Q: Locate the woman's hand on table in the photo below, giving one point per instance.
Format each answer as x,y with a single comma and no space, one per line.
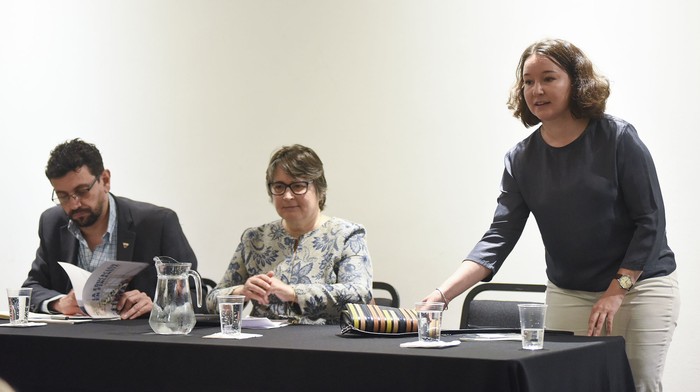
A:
282,290
256,288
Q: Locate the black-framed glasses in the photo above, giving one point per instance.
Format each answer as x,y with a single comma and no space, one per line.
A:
298,187
79,193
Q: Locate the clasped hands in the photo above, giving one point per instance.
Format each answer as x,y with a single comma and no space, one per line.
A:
132,304
260,287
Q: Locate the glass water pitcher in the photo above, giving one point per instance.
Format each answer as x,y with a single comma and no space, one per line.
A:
173,313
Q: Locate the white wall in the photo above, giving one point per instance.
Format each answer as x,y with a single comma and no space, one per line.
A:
403,100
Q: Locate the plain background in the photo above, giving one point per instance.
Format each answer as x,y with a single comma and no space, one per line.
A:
403,100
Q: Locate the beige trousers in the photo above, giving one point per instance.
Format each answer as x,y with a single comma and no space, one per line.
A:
646,319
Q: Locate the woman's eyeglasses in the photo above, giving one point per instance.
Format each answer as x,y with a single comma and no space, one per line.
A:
298,188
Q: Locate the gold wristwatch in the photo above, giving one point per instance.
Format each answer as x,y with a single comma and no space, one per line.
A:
625,281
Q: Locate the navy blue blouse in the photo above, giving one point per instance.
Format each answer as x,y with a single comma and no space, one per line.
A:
597,203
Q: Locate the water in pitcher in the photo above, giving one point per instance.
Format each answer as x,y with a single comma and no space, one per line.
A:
173,312
173,320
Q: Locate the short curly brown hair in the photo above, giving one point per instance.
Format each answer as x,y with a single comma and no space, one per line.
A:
299,162
589,91
71,156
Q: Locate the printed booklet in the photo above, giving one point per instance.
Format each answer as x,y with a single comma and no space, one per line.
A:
98,292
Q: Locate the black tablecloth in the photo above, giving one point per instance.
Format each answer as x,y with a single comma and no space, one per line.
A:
127,356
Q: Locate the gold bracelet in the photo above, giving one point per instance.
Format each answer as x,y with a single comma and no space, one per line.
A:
443,297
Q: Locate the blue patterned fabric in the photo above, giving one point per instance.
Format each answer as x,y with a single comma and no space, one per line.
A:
329,267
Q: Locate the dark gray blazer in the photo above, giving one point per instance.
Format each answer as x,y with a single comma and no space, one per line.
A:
143,232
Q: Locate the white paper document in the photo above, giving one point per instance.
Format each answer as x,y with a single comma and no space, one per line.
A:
238,336
487,337
52,318
98,292
261,323
25,325
431,344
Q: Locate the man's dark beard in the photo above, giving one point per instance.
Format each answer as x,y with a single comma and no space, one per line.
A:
86,221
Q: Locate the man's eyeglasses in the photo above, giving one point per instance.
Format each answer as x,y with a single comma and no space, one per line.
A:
297,188
79,193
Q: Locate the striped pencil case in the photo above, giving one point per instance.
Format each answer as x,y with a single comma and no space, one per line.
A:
378,320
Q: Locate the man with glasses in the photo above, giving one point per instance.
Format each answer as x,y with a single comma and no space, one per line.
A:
90,225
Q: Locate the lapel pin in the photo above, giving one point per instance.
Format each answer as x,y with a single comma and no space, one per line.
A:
125,245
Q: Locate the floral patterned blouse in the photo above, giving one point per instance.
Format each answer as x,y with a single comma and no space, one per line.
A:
327,267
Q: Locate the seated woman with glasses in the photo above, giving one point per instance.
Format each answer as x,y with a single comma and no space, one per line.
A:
306,266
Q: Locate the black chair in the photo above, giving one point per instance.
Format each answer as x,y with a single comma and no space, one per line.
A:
495,313
393,299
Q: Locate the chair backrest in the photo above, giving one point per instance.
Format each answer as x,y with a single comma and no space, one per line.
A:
495,313
393,295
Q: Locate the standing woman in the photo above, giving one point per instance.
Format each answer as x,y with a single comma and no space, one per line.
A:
306,266
592,186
